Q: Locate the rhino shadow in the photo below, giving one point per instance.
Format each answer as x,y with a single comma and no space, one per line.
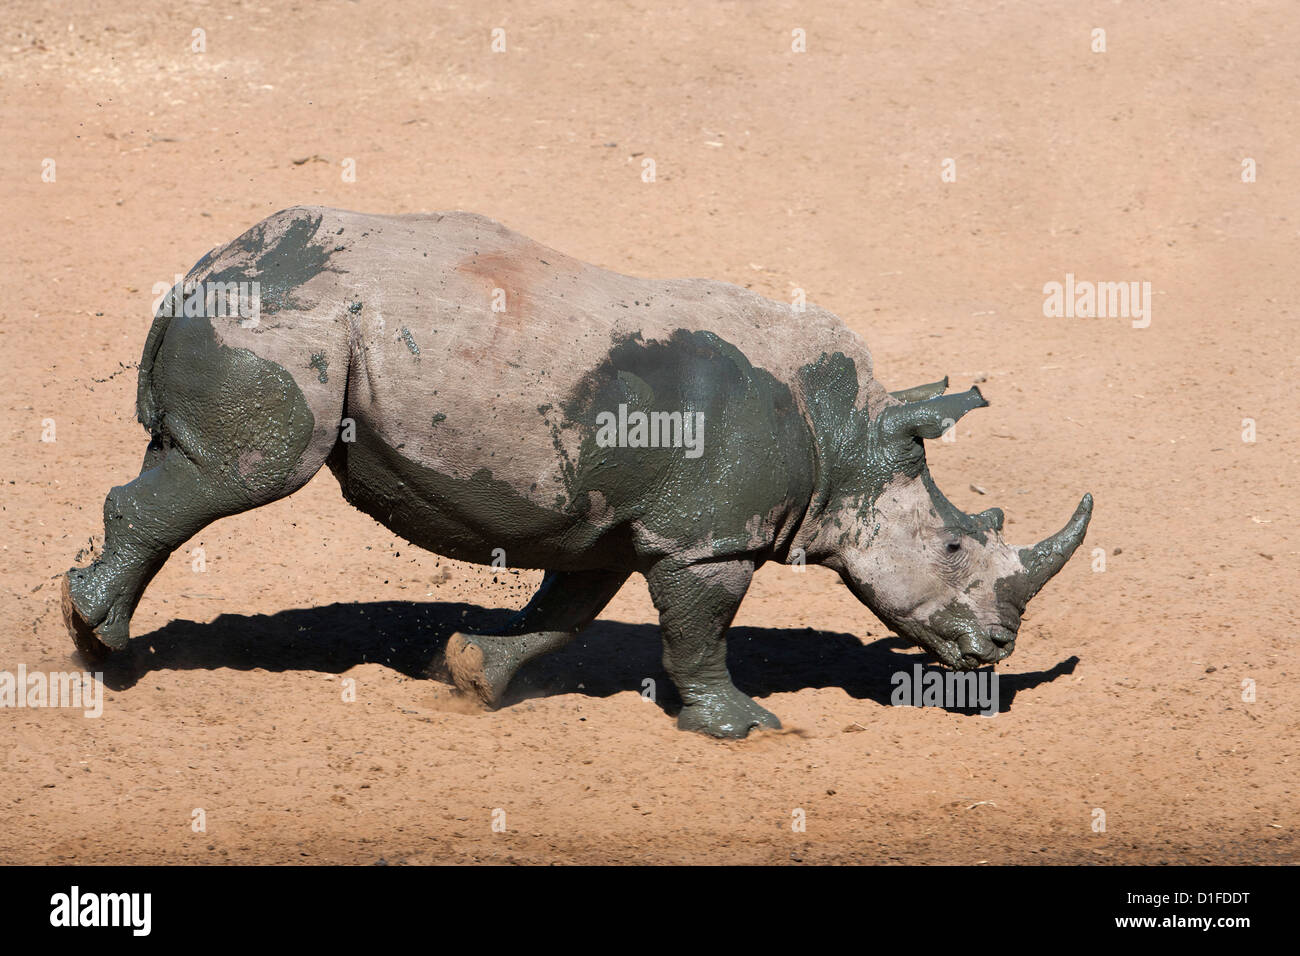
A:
608,658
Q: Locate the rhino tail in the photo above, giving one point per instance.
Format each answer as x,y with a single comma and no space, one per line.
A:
147,409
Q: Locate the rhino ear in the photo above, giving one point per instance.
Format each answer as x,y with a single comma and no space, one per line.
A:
990,519
901,424
919,393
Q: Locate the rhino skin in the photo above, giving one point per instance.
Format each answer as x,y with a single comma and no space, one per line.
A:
466,386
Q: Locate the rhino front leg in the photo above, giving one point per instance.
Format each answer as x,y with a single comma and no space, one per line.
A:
696,605
484,664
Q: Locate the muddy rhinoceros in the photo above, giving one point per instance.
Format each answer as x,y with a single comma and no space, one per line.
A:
485,396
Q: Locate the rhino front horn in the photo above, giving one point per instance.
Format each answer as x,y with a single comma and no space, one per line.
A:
1048,556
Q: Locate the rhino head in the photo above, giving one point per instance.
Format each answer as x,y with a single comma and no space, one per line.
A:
940,577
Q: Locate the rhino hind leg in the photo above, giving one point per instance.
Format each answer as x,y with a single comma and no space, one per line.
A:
142,526
696,605
233,433
482,665
145,520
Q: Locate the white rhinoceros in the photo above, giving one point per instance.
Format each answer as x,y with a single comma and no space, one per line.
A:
479,393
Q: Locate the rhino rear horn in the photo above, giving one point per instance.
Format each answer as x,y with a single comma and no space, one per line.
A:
919,393
929,418
1048,556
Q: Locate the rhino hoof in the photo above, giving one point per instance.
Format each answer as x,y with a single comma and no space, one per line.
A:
80,629
726,714
470,672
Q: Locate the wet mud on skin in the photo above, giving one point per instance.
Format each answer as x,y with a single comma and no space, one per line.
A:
241,418
281,268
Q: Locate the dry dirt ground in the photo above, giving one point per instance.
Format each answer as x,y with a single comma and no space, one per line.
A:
775,169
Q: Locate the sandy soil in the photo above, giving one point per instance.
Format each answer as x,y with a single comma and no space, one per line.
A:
775,170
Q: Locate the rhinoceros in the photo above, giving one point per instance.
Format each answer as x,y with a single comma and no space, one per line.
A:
493,400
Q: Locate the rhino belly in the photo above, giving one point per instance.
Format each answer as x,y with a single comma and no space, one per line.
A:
476,517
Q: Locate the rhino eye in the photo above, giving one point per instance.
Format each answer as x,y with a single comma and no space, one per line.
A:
952,547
